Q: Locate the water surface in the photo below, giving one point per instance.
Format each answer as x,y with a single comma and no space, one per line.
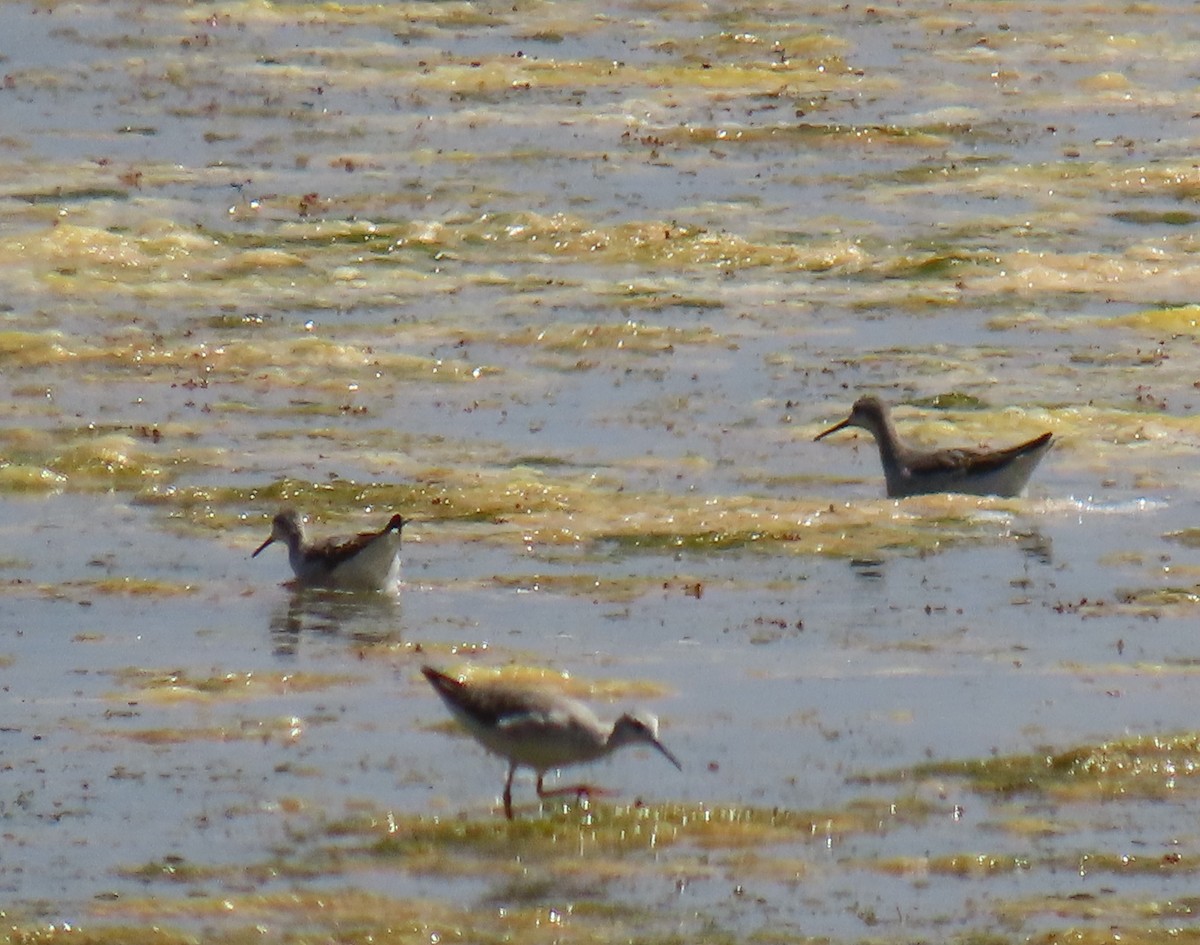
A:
575,289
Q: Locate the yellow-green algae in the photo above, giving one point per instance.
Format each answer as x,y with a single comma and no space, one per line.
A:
1108,908
976,865
328,273
983,865
617,830
1130,930
18,478
534,860
168,686
95,459
612,590
1188,537
404,650
175,869
542,507
1175,320
1141,766
630,336
295,361
285,729
358,917
1160,601
1145,603
122,587
418,922
532,675
238,270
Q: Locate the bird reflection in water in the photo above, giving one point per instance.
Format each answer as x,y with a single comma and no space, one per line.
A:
321,613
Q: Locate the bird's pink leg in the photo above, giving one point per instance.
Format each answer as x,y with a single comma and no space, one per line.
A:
512,769
579,790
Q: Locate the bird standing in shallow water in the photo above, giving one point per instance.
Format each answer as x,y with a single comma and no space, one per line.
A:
369,561
540,729
910,471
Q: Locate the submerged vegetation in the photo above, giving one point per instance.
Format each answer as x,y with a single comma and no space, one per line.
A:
1139,767
572,288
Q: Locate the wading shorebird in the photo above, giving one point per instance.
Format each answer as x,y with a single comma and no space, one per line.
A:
540,729
910,471
366,562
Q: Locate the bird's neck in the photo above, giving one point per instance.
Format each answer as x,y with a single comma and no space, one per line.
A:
891,447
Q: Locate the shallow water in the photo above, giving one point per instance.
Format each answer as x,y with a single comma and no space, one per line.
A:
575,291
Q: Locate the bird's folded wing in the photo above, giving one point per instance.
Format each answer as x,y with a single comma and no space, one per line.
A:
527,719
337,550
977,461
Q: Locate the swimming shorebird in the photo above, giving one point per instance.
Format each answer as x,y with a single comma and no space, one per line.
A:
368,561
911,471
540,729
